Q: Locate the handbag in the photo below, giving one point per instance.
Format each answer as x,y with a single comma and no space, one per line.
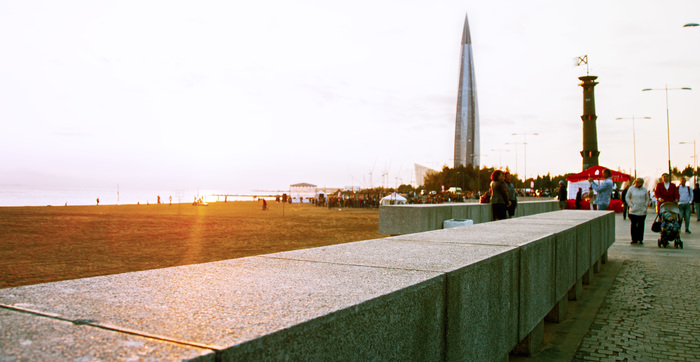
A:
656,225
486,197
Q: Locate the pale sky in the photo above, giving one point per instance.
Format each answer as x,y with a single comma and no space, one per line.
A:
242,95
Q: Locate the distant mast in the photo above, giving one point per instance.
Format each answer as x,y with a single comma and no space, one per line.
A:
590,151
466,151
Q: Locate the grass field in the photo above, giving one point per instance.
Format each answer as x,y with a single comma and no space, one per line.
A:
45,244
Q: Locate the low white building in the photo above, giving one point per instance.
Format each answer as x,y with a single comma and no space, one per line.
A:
302,192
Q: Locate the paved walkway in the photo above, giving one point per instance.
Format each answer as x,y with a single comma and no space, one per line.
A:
644,305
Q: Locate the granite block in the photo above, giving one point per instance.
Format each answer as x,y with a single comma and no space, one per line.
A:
566,215
610,236
597,234
537,283
482,286
403,219
565,261
536,243
482,309
583,249
481,234
415,218
258,307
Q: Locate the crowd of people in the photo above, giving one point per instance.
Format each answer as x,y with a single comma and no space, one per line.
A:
503,197
637,200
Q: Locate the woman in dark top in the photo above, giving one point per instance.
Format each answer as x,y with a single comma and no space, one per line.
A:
499,196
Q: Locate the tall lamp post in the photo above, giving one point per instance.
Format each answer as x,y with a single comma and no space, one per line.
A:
524,134
500,152
695,160
478,181
668,129
634,141
515,145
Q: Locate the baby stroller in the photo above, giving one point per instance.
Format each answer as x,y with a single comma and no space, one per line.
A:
666,224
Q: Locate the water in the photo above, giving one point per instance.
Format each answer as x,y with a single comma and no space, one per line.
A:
58,196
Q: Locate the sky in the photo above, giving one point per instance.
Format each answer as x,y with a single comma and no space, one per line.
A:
258,95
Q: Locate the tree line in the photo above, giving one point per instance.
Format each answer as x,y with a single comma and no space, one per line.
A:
470,178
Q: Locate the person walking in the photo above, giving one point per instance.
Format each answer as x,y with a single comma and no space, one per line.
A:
625,207
637,198
604,190
512,196
685,198
696,201
665,191
561,196
579,197
499,196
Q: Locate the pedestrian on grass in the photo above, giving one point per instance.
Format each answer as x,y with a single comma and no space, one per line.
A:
685,198
562,195
264,205
637,197
499,196
604,190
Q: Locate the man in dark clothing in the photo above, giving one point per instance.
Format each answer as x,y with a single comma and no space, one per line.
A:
579,197
696,201
624,202
562,195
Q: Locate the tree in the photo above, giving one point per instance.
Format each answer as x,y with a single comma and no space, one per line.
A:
404,189
688,171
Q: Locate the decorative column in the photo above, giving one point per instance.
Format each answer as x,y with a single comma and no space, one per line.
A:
590,151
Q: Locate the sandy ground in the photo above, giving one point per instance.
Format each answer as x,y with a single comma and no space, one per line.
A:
45,244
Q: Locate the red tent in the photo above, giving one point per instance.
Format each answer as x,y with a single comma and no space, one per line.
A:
597,173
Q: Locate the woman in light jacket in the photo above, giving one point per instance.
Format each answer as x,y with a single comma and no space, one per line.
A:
638,201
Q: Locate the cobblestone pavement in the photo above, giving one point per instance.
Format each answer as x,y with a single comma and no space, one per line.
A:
652,310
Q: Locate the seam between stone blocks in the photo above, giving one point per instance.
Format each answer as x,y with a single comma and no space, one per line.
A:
96,324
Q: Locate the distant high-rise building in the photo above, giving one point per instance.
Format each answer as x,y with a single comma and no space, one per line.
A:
421,171
467,123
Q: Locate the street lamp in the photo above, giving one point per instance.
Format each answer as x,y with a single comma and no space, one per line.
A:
500,151
695,160
668,129
634,141
515,145
478,181
524,134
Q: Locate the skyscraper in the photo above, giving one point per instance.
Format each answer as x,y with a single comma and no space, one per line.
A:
467,123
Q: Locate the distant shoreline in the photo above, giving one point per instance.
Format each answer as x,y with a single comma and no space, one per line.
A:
18,195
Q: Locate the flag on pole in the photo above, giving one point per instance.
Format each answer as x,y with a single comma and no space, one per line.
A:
581,60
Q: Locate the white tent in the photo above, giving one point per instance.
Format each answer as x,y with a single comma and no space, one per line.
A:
393,199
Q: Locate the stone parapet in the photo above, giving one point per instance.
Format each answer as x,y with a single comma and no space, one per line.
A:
466,293
417,218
